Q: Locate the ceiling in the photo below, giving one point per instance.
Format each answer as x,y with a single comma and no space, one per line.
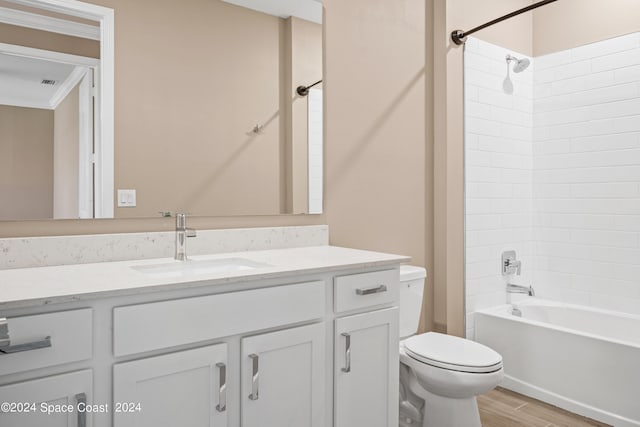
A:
310,10
21,81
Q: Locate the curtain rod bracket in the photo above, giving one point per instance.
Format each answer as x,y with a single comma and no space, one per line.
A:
304,90
458,37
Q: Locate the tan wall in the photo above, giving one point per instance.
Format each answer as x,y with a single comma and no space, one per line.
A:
571,23
26,138
66,141
450,15
376,139
22,36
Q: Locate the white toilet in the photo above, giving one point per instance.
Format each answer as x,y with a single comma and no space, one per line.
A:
440,375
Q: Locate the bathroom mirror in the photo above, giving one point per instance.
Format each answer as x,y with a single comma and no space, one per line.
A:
207,117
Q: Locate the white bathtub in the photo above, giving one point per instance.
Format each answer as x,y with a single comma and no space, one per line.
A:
579,358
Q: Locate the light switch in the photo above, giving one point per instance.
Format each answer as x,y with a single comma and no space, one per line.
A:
126,198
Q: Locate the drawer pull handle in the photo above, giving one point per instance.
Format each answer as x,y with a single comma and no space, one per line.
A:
5,341
82,415
347,353
222,399
369,291
254,377
17,348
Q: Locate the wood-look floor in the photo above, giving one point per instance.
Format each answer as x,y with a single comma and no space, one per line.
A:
505,408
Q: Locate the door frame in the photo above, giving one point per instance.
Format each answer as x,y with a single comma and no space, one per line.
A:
104,84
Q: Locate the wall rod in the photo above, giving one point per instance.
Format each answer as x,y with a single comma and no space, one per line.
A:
459,36
304,90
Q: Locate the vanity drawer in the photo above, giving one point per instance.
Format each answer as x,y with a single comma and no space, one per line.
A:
69,340
154,326
365,289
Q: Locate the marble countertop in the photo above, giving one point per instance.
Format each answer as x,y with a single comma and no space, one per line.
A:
26,287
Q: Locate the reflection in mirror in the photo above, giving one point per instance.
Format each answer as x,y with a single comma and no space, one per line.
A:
46,134
56,110
208,118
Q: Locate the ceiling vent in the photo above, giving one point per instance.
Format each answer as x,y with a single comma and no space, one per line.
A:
48,82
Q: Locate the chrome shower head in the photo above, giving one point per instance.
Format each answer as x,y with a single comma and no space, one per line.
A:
521,64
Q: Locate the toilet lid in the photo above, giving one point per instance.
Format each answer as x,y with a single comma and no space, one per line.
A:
453,353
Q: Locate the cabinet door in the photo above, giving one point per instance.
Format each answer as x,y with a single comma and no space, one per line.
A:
283,379
186,388
50,394
366,370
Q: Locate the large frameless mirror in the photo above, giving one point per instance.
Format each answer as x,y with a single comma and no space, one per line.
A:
208,118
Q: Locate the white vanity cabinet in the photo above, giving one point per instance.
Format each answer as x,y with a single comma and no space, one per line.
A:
366,369
282,384
310,347
49,401
41,341
185,388
277,379
283,379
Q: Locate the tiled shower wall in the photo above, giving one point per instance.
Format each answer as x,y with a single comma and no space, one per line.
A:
498,172
553,171
587,174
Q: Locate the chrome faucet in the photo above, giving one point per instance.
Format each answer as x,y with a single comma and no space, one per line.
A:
519,289
182,232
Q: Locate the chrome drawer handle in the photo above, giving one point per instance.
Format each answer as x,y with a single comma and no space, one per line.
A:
17,348
254,377
222,399
5,341
369,291
347,352
82,415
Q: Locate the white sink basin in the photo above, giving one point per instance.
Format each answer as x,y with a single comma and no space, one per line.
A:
194,268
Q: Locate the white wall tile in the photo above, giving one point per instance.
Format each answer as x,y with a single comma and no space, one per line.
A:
606,142
560,181
498,171
552,60
616,60
605,47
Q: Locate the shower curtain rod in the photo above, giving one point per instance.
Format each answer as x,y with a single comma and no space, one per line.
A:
304,90
459,36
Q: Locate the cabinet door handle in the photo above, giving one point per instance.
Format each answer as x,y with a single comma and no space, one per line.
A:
369,291
347,352
222,396
82,415
254,377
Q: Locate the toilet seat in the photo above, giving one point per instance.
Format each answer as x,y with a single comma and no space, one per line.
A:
452,353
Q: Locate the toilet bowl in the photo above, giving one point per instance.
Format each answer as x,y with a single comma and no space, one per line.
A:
440,375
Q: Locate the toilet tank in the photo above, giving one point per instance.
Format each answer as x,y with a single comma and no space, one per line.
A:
411,291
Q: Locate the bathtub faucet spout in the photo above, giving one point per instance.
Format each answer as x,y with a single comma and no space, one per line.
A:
519,289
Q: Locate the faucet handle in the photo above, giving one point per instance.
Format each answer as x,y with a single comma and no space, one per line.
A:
510,264
190,232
